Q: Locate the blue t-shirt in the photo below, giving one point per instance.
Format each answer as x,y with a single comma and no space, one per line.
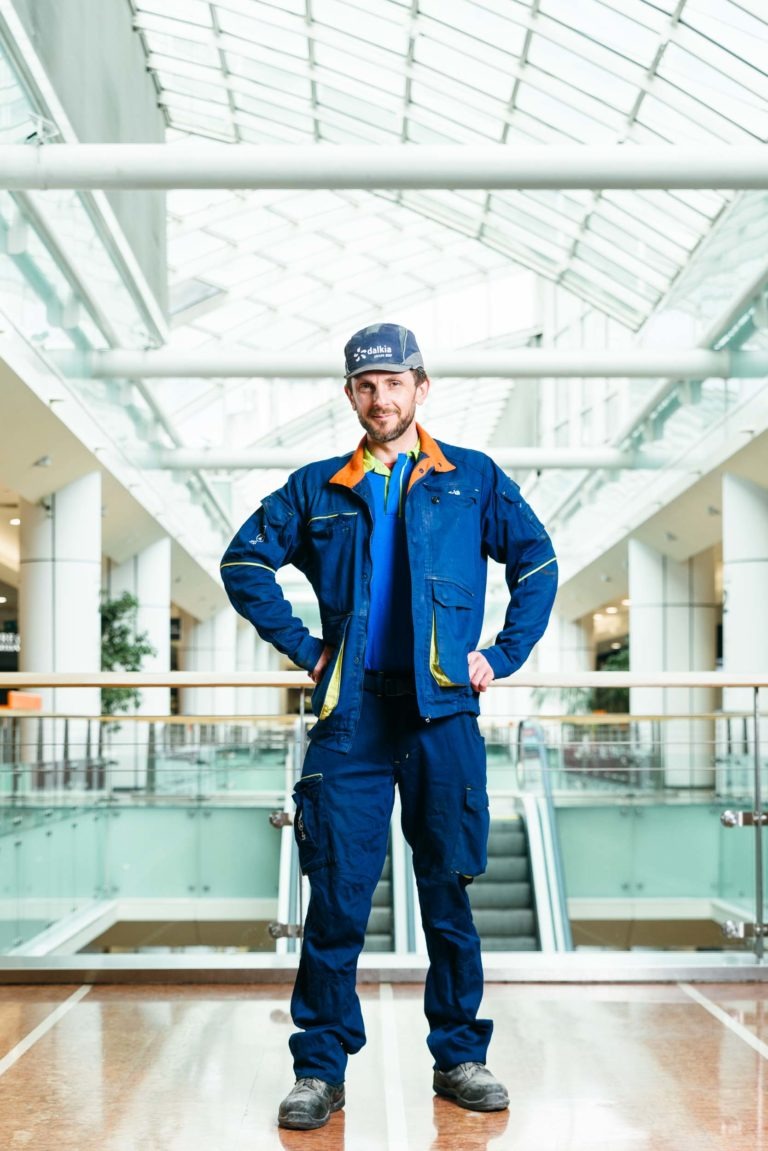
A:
389,645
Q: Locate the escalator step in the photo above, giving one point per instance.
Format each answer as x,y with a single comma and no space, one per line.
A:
499,895
509,943
380,921
515,921
379,943
503,869
382,896
507,843
511,823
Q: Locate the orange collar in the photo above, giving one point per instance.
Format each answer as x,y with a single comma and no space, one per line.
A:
431,457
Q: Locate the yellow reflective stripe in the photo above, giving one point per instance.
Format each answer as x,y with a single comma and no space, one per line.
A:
245,564
334,686
538,569
434,660
331,516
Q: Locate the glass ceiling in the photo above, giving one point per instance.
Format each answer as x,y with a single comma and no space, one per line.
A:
442,71
300,270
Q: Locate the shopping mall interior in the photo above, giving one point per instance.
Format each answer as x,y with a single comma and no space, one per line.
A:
200,202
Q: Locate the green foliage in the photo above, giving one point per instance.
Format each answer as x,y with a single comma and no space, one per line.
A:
613,699
122,649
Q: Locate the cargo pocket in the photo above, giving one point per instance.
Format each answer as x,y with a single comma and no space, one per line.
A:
471,855
310,826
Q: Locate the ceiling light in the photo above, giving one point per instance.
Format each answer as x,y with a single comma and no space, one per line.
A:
597,615
611,610
616,647
3,599
626,602
14,522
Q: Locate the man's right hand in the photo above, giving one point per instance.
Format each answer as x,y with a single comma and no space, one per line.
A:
321,664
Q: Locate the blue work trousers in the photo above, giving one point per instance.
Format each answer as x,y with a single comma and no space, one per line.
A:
343,809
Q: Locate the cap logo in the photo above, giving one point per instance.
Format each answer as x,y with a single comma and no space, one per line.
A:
379,350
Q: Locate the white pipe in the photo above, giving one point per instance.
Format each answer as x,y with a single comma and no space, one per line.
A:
219,459
491,166
517,363
23,680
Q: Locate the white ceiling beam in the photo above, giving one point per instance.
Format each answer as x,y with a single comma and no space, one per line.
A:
222,459
494,166
514,363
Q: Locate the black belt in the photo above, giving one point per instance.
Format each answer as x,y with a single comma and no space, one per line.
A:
389,683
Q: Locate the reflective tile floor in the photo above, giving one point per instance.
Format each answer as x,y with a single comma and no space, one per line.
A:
193,1068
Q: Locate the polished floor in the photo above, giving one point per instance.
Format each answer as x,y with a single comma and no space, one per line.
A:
193,1068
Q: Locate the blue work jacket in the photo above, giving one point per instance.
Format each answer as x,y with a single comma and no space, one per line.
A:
460,509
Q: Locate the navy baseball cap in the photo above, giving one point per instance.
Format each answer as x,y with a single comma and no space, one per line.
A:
381,348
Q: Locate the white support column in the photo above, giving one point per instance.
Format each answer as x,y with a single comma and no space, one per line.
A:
269,700
246,637
147,577
566,646
672,622
745,603
59,621
213,647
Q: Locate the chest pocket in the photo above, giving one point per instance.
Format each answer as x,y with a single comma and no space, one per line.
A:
326,526
330,549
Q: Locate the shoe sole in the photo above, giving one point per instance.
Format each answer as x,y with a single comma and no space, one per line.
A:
299,1125
488,1105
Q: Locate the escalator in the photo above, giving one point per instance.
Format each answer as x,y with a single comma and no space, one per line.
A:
380,932
502,898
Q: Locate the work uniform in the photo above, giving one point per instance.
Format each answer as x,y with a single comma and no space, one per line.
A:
412,725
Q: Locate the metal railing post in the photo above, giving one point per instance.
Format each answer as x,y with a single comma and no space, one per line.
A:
759,925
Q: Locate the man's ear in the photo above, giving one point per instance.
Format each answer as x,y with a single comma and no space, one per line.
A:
349,393
422,390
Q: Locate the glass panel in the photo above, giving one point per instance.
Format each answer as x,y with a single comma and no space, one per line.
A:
174,32
576,123
732,26
675,116
719,92
453,62
286,34
368,26
477,22
173,85
634,38
582,73
184,11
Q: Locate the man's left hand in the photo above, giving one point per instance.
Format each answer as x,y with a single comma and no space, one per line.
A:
480,671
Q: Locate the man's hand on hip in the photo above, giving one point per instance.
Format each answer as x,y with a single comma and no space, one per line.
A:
321,664
480,671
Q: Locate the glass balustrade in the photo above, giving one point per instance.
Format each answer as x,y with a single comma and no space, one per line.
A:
132,834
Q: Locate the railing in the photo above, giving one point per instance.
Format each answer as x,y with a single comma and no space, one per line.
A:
125,819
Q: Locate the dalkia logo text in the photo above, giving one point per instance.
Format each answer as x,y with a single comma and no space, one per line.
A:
374,350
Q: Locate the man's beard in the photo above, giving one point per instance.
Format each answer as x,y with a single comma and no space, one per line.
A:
379,435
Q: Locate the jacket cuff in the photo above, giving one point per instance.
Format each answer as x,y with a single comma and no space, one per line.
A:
309,653
501,664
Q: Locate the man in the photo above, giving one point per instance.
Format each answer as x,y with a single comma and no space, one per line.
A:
394,539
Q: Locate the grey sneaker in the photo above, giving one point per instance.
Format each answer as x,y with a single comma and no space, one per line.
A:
471,1085
309,1104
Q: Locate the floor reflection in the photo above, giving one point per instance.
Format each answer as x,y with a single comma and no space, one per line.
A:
328,1138
468,1130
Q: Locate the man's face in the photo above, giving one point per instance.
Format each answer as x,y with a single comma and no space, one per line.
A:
386,402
